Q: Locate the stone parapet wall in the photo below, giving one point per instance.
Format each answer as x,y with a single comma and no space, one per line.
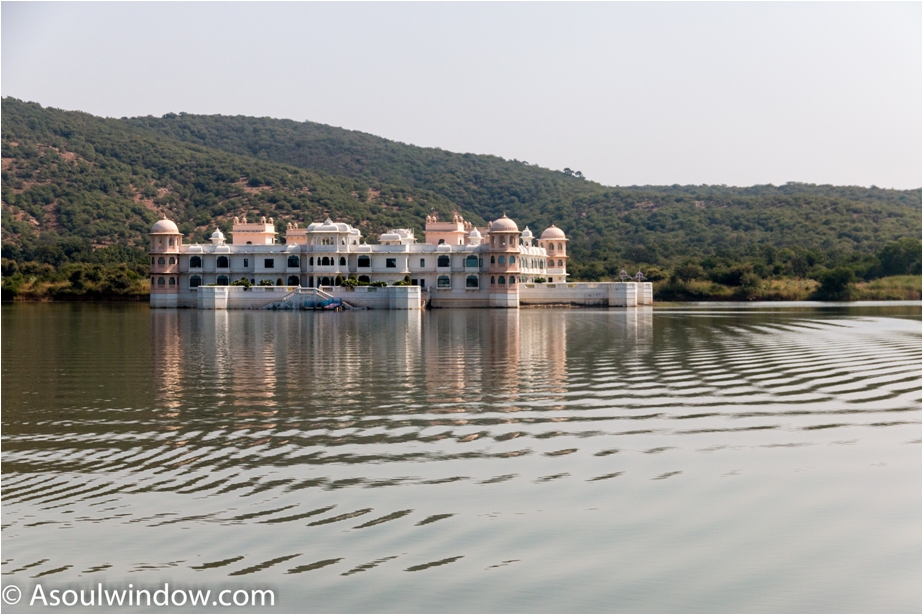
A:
587,294
376,297
239,297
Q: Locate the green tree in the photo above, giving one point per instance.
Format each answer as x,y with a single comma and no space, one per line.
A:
836,285
903,257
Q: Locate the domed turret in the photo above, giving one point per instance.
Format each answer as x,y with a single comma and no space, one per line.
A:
504,224
164,227
217,237
165,242
553,233
165,237
554,241
527,237
503,251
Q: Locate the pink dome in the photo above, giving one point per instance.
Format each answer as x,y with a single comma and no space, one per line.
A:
504,224
164,226
553,233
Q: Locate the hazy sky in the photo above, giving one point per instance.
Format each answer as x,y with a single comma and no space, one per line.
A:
653,93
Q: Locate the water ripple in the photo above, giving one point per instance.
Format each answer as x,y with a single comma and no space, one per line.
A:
224,442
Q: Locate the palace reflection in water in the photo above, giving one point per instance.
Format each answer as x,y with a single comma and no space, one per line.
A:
441,361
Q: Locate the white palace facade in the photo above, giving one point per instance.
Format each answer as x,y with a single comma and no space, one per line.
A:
457,264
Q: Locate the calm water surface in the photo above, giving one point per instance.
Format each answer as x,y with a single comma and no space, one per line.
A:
696,459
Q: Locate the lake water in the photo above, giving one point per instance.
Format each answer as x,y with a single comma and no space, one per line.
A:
709,459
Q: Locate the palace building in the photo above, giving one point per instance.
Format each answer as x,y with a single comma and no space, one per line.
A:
456,265
455,258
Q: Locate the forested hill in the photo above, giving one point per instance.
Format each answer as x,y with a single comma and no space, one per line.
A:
470,180
608,226
72,180
68,174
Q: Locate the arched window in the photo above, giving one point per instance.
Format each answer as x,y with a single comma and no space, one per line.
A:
441,241
560,263
161,260
152,260
365,279
492,280
222,262
294,262
560,247
172,260
342,261
444,261
502,280
195,262
550,247
222,280
444,281
492,259
502,260
364,262
195,281
293,280
161,281
278,282
323,261
171,242
172,281
326,281
470,260
511,259
502,240
511,279
472,281
310,262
